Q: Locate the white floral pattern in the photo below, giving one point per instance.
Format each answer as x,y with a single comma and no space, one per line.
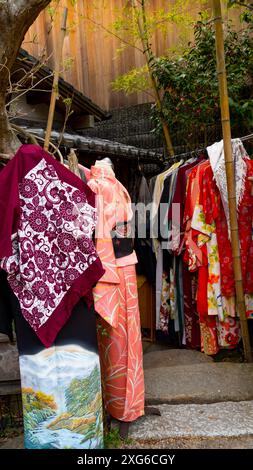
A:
217,161
53,245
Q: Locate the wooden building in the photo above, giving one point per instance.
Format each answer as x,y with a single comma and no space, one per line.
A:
93,52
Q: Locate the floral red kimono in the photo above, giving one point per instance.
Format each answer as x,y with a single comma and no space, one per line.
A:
214,211
218,328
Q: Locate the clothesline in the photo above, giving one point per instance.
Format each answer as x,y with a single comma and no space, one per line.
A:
247,137
186,155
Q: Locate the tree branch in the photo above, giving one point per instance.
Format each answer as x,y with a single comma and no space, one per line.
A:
18,7
243,4
23,92
16,16
112,33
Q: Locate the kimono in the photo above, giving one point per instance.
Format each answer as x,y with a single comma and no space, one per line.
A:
189,281
218,328
50,265
162,284
116,300
141,196
216,209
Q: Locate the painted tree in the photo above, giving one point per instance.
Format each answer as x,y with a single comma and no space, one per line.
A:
16,16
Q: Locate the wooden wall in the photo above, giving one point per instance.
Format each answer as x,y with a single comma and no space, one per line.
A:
96,62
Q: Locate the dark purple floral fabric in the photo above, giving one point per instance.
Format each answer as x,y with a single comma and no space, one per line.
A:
52,246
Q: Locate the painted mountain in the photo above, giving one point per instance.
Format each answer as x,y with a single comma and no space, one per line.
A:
62,399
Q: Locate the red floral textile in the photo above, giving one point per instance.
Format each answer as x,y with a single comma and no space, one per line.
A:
213,209
214,333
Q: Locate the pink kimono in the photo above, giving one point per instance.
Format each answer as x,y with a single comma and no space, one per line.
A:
116,301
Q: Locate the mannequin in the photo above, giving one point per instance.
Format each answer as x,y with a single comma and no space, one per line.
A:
116,301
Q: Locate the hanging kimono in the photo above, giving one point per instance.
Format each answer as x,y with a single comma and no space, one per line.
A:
116,300
190,256
217,209
221,330
162,286
48,217
143,244
186,280
214,211
167,308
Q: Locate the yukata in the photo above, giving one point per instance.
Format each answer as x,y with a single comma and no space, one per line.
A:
218,328
189,281
216,209
49,267
162,284
214,213
116,300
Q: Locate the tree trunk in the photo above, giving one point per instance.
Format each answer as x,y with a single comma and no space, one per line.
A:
16,16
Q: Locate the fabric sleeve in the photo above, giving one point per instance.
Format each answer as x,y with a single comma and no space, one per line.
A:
9,206
188,209
209,198
178,196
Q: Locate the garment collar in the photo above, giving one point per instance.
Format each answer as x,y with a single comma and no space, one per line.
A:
217,161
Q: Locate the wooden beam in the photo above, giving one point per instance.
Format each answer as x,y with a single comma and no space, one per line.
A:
82,121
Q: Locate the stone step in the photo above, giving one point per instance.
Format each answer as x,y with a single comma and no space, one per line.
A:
215,421
199,383
173,357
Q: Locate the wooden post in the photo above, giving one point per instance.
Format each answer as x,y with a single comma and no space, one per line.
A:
229,163
54,94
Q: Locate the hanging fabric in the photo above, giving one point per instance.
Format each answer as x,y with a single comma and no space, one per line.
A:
51,266
203,284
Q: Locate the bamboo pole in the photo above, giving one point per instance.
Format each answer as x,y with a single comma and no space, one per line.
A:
226,131
54,94
148,55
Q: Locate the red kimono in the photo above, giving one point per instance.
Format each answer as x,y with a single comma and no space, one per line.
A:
214,211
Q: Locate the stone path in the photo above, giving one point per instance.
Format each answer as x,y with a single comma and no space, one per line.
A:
240,442
13,443
181,376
